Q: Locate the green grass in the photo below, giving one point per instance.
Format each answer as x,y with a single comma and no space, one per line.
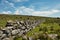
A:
30,33
19,38
5,18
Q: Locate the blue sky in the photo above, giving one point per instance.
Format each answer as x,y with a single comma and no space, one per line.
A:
49,8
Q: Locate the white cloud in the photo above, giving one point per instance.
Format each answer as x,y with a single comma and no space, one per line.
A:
6,12
17,12
55,10
11,4
45,13
28,11
19,0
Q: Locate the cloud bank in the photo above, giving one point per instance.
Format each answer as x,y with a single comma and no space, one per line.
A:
28,11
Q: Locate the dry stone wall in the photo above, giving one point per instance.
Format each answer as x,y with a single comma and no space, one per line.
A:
14,28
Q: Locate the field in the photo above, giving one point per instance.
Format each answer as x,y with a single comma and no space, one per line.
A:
49,26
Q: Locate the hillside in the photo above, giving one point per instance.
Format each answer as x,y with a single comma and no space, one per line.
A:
47,26
5,18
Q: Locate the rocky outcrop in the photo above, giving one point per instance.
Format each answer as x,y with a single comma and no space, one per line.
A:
14,28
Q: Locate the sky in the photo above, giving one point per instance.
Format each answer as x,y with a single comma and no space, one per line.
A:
50,8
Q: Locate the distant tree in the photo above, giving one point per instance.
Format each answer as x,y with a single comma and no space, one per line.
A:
58,18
